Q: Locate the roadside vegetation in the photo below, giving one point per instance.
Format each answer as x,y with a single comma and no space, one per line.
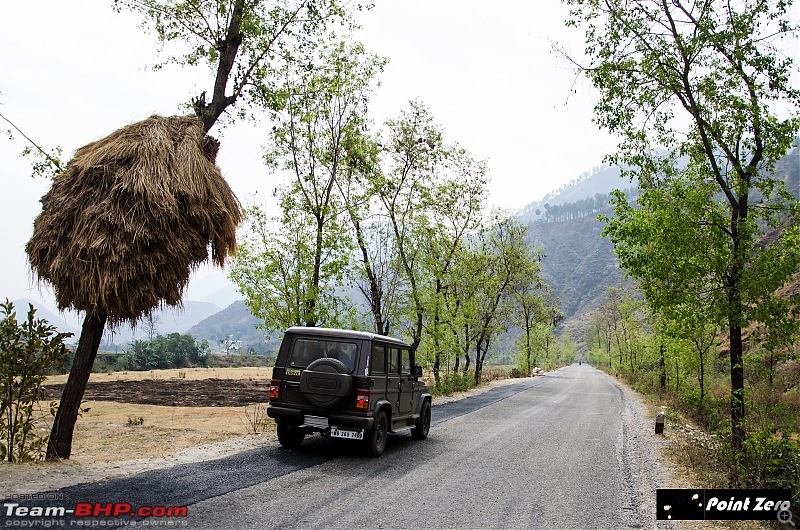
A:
691,379
174,350
30,349
701,97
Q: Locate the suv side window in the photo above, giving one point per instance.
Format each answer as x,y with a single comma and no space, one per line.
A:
378,362
405,361
394,354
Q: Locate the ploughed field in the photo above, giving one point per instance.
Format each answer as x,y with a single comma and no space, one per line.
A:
212,392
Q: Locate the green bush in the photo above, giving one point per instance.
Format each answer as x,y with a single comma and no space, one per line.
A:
453,382
28,352
769,460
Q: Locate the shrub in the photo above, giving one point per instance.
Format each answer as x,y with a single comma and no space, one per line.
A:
769,460
453,382
28,352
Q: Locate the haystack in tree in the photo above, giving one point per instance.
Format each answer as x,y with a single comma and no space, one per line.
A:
120,231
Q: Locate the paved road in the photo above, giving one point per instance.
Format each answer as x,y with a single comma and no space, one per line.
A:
568,450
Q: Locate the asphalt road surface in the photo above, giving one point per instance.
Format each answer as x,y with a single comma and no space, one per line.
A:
567,450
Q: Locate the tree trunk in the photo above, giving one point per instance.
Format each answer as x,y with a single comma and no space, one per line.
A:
478,362
737,388
466,349
60,443
702,385
528,345
227,48
663,377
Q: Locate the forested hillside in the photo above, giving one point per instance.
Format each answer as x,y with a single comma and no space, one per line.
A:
579,264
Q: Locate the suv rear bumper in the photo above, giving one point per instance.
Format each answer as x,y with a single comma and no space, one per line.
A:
296,417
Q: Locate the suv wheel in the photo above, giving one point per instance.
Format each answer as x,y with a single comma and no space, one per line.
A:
290,436
375,438
423,424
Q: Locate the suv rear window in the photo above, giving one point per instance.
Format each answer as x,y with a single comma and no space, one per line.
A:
306,351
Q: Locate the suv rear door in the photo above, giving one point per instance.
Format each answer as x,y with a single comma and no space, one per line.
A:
407,383
377,371
393,384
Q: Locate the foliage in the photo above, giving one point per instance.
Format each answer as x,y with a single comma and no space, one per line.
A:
286,272
28,352
273,269
699,228
45,164
170,351
506,261
768,460
239,360
244,44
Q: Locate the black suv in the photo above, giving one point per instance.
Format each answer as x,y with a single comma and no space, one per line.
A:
346,384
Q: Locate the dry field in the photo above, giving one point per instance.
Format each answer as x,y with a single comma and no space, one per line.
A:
132,415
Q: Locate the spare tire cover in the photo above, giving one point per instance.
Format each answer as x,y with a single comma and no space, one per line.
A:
326,382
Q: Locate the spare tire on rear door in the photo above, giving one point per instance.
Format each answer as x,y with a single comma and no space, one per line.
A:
326,382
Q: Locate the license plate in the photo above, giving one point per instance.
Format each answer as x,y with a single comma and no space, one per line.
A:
352,434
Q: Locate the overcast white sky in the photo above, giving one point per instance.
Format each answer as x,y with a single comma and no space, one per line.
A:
72,72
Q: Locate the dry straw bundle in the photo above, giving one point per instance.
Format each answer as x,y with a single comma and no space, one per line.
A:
131,215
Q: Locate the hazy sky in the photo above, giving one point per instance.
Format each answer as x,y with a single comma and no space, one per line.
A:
73,71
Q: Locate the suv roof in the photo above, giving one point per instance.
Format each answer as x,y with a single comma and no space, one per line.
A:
342,333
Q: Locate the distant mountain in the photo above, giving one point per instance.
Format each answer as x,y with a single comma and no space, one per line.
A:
167,320
602,180
215,288
578,264
237,322
43,312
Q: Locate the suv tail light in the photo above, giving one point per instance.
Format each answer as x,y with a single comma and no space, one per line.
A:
274,389
362,399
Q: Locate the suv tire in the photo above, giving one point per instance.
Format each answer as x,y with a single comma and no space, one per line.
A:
290,436
423,424
326,382
375,438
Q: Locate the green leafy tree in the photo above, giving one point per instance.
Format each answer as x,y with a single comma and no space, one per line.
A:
326,105
454,205
504,256
244,44
375,278
28,352
703,81
414,152
536,314
273,269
